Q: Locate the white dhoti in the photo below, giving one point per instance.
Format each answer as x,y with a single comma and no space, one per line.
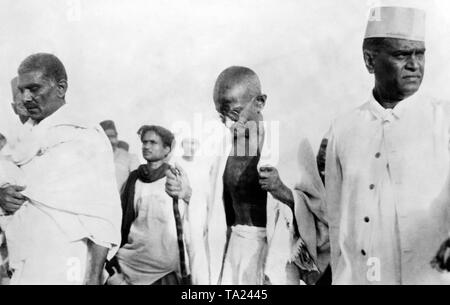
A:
246,256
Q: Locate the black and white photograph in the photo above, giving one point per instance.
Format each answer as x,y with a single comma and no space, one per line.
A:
223,147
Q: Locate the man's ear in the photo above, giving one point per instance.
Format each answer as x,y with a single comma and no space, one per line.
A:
369,60
261,101
62,86
167,151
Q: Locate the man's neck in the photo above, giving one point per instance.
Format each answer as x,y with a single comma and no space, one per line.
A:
155,164
61,104
386,101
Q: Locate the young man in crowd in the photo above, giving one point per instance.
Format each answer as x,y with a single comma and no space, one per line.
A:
152,248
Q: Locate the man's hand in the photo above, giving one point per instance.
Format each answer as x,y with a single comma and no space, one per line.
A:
11,199
177,184
270,181
442,260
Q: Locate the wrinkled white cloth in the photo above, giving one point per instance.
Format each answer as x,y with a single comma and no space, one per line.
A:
387,192
246,256
70,182
151,251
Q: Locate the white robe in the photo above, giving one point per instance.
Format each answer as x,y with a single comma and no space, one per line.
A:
70,182
388,193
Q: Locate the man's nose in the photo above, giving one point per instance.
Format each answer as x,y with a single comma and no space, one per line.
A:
413,63
27,96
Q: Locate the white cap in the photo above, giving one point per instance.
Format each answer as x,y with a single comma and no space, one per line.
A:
396,22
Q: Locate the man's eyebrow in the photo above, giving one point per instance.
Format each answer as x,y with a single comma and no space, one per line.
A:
237,108
407,50
28,85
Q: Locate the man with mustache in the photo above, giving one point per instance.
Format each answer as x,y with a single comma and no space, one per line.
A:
387,163
63,219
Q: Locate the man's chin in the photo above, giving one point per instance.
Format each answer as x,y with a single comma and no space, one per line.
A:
150,158
36,117
410,90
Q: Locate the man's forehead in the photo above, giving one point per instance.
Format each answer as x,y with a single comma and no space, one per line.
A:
232,93
35,76
396,44
151,135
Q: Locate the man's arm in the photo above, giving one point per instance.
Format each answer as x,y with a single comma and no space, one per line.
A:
95,263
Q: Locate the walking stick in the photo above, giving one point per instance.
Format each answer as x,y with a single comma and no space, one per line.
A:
185,279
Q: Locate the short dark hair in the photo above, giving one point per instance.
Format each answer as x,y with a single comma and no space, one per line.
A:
166,135
51,67
374,44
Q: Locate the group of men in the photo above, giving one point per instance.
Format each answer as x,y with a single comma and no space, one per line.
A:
372,208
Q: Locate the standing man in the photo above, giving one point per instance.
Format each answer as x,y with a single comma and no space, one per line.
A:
387,163
150,253
276,234
62,224
124,161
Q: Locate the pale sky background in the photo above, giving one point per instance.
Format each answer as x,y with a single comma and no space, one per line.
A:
155,62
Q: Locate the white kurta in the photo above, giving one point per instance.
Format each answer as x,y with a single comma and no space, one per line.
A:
385,173
282,241
151,251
